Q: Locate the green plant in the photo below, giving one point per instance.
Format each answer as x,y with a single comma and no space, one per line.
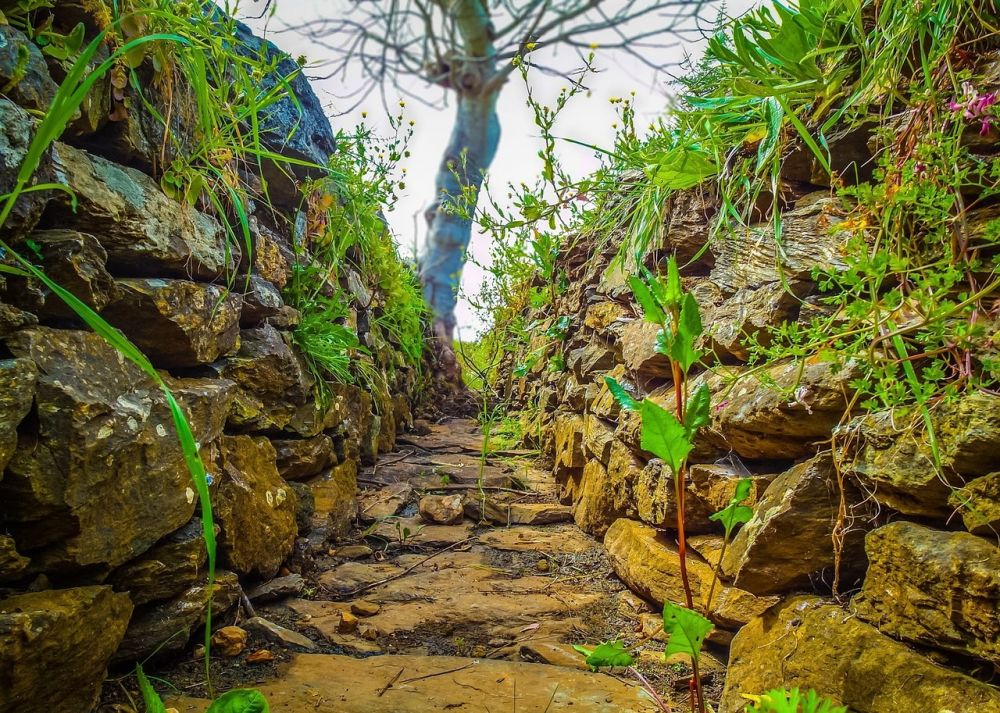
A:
785,701
242,700
78,82
610,654
731,516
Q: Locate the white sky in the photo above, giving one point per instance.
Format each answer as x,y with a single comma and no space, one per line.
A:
587,119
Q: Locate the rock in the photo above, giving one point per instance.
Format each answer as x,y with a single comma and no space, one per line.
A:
385,502
260,656
760,422
593,357
305,507
177,323
598,436
55,647
788,544
16,132
255,508
748,317
76,262
442,509
229,641
639,355
412,531
940,589
348,623
163,629
594,508
105,443
603,314
365,608
848,150
709,489
352,552
17,392
557,540
261,300
808,240
24,75
276,589
806,643
274,383
335,497
280,635
12,564
361,686
690,216
569,454
979,504
12,319
479,508
895,461
552,653
298,129
144,233
173,565
300,458
648,563
368,632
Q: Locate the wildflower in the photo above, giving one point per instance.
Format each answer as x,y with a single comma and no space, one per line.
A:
975,107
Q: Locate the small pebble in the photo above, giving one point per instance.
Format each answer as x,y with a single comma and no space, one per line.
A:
260,656
229,641
365,608
542,565
348,623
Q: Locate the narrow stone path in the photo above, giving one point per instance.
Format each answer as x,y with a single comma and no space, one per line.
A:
454,597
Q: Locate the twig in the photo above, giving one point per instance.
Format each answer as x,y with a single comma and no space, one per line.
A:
393,578
246,603
388,685
439,673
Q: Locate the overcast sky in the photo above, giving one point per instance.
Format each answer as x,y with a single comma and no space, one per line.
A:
588,119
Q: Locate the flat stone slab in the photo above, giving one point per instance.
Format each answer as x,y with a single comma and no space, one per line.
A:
567,540
457,591
420,684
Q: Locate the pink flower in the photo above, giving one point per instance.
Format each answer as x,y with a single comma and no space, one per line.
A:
975,107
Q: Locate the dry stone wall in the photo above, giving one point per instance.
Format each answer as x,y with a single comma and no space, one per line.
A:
101,551
916,616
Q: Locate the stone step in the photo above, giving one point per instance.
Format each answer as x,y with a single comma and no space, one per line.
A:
425,684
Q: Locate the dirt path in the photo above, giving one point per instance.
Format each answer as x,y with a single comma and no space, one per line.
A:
479,615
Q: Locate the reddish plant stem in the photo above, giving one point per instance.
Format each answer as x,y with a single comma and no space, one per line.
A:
680,480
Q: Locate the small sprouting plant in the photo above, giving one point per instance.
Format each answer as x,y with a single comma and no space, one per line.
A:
670,434
730,517
242,700
793,701
610,654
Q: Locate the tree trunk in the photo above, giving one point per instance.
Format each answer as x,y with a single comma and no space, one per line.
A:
471,150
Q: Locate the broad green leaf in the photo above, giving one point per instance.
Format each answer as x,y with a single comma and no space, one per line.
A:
623,397
650,309
154,704
735,513
608,654
243,700
663,435
697,411
687,630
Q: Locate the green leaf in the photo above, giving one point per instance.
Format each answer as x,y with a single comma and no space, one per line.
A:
154,704
689,328
664,436
623,397
735,513
674,291
243,700
697,411
650,309
687,630
608,654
